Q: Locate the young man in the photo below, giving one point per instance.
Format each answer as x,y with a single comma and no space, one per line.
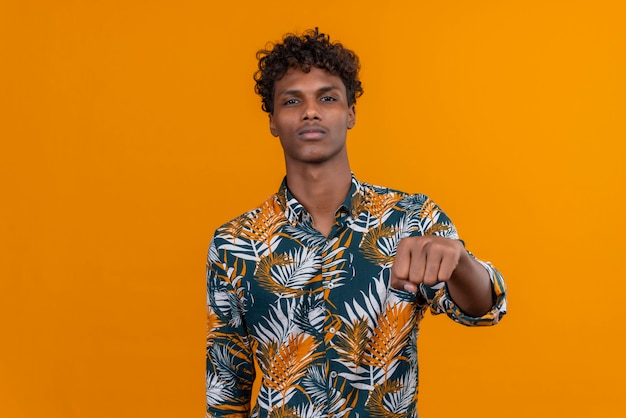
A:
326,282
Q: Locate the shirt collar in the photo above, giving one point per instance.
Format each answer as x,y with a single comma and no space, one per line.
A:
295,212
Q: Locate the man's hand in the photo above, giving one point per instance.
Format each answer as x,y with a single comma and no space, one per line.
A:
427,259
430,259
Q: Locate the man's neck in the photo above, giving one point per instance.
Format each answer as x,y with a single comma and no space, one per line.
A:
321,191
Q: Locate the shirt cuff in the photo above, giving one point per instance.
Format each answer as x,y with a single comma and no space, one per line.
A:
444,303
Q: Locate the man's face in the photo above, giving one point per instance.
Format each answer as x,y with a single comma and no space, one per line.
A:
311,116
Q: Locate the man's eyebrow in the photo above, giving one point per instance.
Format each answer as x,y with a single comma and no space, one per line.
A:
327,89
296,92
290,93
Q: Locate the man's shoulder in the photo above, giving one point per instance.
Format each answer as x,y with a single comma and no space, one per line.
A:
368,188
381,199
268,207
375,188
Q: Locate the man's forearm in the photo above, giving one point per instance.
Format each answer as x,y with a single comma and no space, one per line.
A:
470,287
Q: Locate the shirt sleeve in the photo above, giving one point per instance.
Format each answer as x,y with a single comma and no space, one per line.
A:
440,301
229,359
427,218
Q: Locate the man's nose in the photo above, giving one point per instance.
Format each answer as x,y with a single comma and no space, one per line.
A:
311,110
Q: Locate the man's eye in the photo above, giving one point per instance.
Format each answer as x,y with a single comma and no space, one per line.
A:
328,99
291,101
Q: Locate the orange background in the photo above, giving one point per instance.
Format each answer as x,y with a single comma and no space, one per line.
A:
129,131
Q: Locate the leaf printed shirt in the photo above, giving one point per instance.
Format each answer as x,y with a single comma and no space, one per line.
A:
331,337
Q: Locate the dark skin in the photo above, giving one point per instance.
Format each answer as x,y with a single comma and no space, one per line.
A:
311,117
429,259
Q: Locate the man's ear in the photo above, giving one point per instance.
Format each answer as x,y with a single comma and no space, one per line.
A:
273,130
351,117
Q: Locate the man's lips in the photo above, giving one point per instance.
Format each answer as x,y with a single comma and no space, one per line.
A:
311,132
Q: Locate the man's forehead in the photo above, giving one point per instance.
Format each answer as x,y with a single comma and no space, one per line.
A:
317,79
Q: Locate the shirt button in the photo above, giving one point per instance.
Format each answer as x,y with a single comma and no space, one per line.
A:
333,374
332,330
330,285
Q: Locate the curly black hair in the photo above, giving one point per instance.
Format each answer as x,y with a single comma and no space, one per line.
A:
310,49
